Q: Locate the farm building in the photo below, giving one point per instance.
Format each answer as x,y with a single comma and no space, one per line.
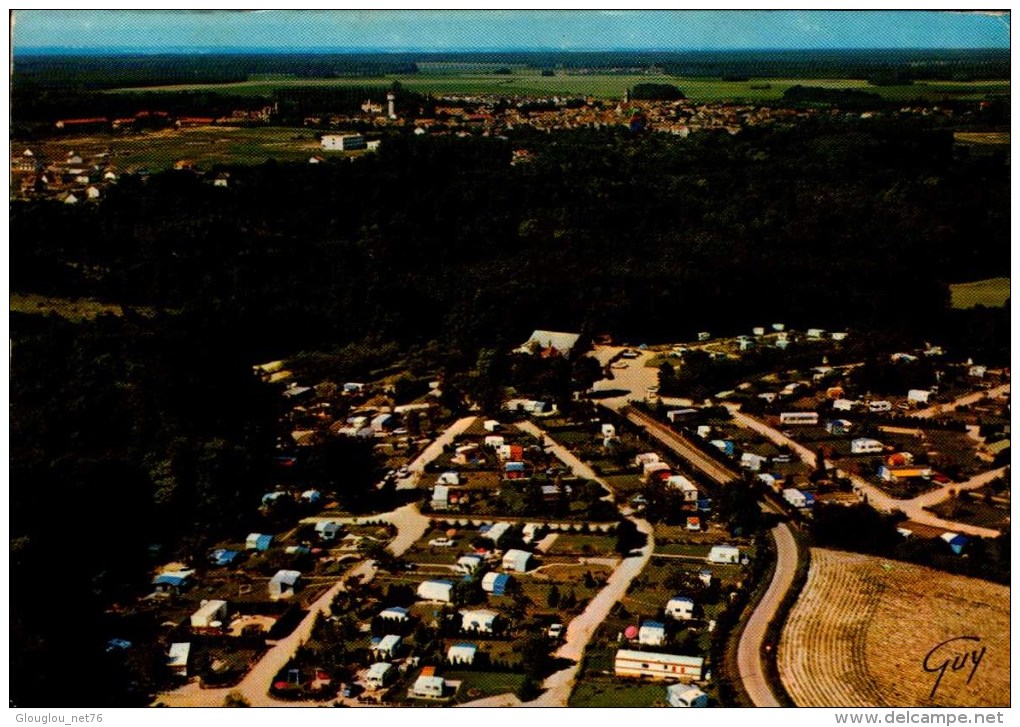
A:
469,563
284,584
258,541
223,557
798,417
328,531
863,445
724,554
173,581
495,583
462,653
393,613
177,660
428,685
495,532
684,695
652,633
680,607
379,675
480,620
436,591
550,343
388,647
630,663
918,396
449,478
211,615
343,142
516,560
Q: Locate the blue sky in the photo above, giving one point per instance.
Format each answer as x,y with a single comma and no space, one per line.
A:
509,29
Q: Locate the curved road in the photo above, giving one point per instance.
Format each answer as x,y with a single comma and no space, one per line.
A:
750,664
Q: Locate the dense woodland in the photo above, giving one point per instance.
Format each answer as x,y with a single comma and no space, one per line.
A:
148,428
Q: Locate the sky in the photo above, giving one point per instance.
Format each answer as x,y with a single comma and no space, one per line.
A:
439,30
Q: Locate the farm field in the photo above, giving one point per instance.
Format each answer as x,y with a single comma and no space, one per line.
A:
531,82
863,627
73,309
993,293
203,146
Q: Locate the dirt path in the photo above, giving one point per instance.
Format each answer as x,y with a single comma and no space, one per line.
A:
417,467
254,687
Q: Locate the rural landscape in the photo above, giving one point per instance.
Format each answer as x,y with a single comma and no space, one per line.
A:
494,375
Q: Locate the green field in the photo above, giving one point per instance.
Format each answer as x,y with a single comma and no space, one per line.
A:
479,684
530,82
992,293
604,692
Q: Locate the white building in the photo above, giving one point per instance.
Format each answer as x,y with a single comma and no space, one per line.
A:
461,653
441,591
343,142
680,607
516,561
795,497
379,675
328,531
388,646
449,478
211,615
751,461
652,633
630,663
469,563
863,445
724,554
481,620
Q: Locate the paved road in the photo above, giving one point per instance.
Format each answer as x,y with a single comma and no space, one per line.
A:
680,446
411,525
913,509
749,651
937,409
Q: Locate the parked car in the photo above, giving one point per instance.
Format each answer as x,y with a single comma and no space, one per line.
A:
555,631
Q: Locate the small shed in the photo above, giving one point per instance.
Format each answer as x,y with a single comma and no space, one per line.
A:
462,653
177,659
724,554
652,633
211,615
685,695
495,583
680,608
516,560
284,584
441,591
258,541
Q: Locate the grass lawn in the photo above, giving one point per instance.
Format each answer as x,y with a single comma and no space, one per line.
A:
587,545
604,692
993,293
478,684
